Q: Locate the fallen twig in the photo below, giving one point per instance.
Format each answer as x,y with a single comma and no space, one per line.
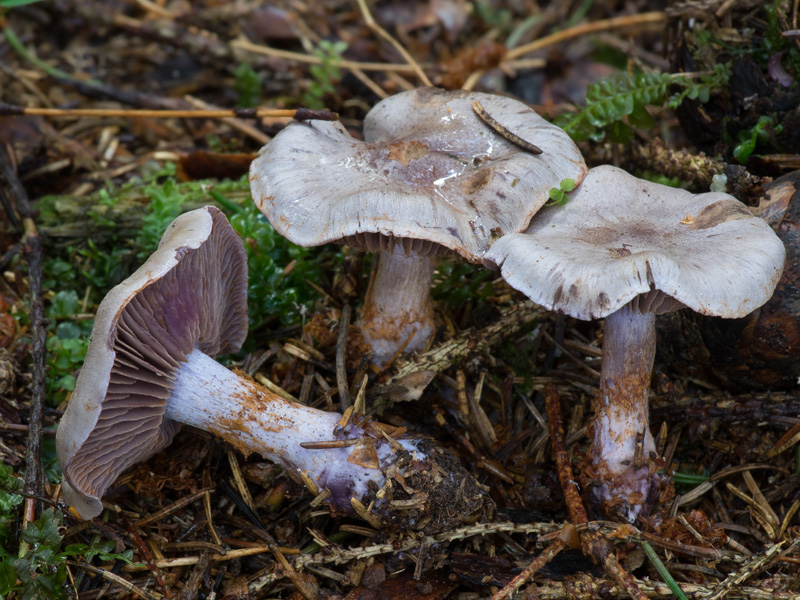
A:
595,545
299,114
16,201
412,375
756,564
117,580
649,19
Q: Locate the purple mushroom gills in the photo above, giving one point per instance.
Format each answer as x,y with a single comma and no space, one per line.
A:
625,249
150,367
430,178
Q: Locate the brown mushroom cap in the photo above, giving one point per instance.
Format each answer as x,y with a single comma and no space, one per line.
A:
621,239
190,294
430,171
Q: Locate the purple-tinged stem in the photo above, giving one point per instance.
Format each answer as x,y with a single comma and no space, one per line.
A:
621,414
398,305
208,396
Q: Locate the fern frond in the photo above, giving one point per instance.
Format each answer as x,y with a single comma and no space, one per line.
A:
610,100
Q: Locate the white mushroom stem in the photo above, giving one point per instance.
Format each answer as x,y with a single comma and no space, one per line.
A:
621,414
398,309
208,396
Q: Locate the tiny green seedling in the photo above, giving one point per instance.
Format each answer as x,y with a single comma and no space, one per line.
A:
558,196
749,138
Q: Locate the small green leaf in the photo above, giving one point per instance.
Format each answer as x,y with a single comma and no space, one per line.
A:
557,197
746,147
640,118
662,570
63,304
8,577
620,133
567,185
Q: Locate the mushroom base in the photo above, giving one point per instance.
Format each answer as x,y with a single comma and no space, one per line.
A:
368,466
623,470
398,310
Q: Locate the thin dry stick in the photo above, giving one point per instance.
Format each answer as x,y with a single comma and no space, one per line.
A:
412,375
170,563
292,574
300,114
577,513
238,478
650,19
528,572
116,579
199,572
362,4
473,79
15,196
594,544
157,516
367,81
789,439
756,564
33,456
341,352
308,58
147,555
241,125
207,507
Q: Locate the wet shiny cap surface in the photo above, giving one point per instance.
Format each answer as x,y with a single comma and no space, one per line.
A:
429,169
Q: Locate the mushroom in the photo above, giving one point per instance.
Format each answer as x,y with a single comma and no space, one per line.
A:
430,178
625,249
150,366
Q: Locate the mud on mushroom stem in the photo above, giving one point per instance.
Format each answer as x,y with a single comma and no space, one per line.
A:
623,448
403,480
398,308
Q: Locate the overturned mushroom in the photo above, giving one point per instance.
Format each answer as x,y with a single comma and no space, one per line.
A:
626,249
150,367
430,178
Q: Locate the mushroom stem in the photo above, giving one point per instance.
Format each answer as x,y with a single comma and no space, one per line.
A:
621,413
233,407
398,309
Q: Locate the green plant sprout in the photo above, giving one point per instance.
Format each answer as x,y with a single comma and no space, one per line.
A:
41,571
663,571
326,74
558,196
749,138
247,85
66,344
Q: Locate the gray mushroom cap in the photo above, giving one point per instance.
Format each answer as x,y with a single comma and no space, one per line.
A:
190,294
429,170
621,239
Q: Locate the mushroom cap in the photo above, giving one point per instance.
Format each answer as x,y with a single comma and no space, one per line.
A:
190,294
621,239
429,170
